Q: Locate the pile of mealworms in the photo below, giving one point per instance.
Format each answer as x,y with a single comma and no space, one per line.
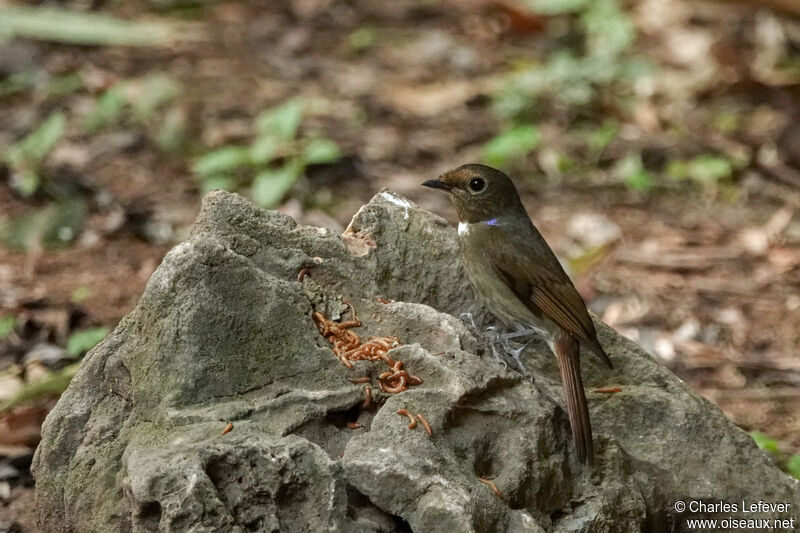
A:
347,346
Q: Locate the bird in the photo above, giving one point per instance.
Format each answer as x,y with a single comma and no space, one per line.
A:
517,276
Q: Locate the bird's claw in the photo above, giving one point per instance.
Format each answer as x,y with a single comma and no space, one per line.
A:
500,345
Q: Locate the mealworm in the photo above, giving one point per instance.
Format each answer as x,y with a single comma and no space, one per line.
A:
354,425
414,380
412,418
394,389
302,274
491,486
228,428
359,381
425,424
367,397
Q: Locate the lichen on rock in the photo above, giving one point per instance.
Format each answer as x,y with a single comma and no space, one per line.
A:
223,333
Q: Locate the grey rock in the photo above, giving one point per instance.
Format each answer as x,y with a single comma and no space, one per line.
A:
223,333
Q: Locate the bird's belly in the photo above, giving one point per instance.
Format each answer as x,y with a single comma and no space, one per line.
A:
501,300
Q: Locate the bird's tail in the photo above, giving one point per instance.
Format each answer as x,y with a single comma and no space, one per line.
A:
568,355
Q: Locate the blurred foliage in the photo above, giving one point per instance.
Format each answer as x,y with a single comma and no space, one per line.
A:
80,294
26,157
7,325
793,466
764,442
40,83
590,63
53,226
362,39
588,70
511,145
631,171
77,27
272,162
142,102
705,169
600,62
82,341
52,384
790,464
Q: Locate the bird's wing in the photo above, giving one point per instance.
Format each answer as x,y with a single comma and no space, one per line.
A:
545,288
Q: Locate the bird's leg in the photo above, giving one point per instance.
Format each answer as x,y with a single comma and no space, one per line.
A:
467,319
497,346
521,333
501,345
514,349
517,352
493,337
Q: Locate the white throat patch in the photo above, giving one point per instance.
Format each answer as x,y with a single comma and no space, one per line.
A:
463,228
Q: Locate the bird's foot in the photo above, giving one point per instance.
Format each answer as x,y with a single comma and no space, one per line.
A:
503,347
500,343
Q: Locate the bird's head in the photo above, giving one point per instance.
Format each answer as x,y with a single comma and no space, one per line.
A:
478,192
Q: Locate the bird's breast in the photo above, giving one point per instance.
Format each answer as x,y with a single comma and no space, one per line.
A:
491,289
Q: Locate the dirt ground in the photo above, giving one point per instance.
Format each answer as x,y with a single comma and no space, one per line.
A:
706,279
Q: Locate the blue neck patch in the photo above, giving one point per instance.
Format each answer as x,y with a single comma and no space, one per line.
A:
491,222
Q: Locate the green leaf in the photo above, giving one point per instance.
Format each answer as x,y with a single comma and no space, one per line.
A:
630,170
727,120
677,169
511,144
282,121
556,7
80,294
764,442
793,466
50,385
63,85
709,169
7,325
263,149
270,186
152,93
52,226
18,82
171,135
362,39
598,138
225,159
37,144
320,151
80,27
107,110
26,181
609,30
641,181
81,342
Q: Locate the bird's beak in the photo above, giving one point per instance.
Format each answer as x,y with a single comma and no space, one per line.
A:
437,184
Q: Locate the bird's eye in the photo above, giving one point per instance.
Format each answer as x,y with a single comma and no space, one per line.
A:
477,185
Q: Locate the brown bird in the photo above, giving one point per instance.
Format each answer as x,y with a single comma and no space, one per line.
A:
518,277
